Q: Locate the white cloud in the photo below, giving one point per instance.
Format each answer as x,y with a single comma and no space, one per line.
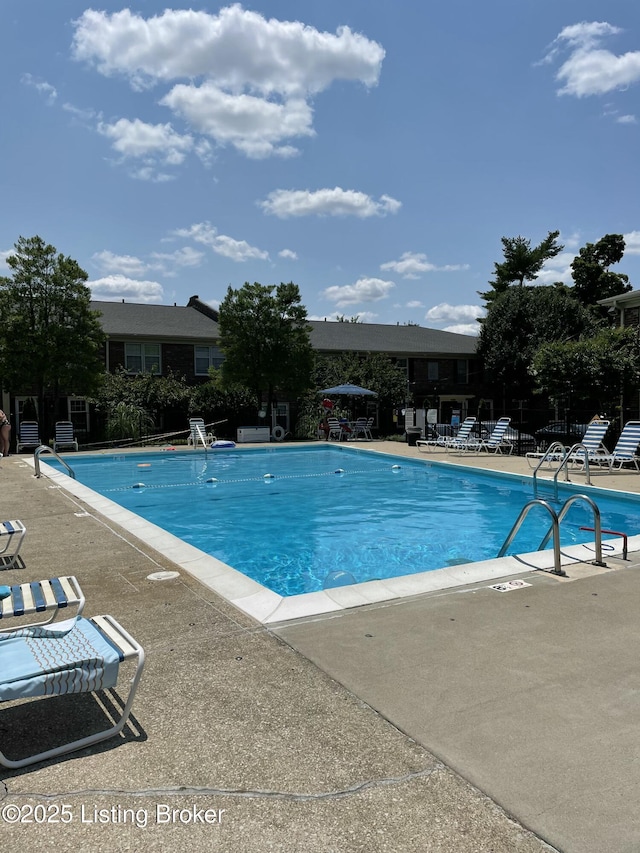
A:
185,257
472,329
4,256
364,290
363,316
327,202
455,313
412,264
46,89
253,125
556,269
590,69
627,119
113,288
415,303
136,138
126,264
632,242
228,247
247,79
289,254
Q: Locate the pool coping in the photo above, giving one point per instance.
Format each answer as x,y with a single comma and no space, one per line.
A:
268,607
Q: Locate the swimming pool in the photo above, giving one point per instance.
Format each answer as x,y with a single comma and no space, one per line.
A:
300,520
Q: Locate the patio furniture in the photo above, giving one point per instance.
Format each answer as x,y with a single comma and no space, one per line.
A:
198,434
76,656
495,443
14,531
624,452
591,442
64,437
49,596
458,441
28,435
335,429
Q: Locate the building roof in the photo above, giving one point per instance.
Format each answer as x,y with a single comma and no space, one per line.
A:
329,336
192,323
161,322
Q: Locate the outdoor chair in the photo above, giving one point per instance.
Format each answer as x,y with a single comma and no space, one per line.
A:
495,443
335,429
28,435
12,534
624,452
47,597
458,442
591,442
198,434
75,656
64,437
362,427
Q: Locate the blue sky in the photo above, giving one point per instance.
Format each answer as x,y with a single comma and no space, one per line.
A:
373,152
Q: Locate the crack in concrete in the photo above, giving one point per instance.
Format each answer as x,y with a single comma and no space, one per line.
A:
197,791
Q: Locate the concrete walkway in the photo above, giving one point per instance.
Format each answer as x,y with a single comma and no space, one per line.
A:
462,721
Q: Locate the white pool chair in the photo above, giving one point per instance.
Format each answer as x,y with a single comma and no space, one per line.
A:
64,437
591,442
28,435
12,534
47,597
198,435
76,656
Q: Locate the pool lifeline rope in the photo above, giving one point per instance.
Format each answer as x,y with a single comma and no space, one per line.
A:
263,478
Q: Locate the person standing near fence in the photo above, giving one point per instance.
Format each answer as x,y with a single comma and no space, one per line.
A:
5,434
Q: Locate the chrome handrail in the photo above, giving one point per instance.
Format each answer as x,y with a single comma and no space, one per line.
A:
596,524
555,527
554,447
43,448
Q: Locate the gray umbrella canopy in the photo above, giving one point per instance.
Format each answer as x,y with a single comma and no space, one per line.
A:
349,391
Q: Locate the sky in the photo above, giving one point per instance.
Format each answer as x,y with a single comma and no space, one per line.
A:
372,152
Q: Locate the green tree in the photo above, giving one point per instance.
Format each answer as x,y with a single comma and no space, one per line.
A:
593,280
599,368
264,335
143,392
50,340
518,322
521,262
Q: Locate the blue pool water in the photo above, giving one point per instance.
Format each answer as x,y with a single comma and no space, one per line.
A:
330,515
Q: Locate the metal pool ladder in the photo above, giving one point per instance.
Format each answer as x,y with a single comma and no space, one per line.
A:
555,449
44,449
554,529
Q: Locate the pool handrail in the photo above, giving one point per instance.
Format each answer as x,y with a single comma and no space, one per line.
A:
555,528
44,448
597,525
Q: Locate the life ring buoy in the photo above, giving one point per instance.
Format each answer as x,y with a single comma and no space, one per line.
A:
278,433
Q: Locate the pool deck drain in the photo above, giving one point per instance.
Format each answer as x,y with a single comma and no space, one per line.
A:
513,718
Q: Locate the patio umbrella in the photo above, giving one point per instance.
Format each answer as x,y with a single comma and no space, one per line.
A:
349,391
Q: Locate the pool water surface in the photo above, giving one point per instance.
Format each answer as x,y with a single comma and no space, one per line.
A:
299,520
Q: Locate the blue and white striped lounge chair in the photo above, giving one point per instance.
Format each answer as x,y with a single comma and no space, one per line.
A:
47,597
64,437
28,435
591,441
75,656
11,537
458,441
495,443
625,451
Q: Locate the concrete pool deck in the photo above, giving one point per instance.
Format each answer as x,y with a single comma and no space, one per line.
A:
458,720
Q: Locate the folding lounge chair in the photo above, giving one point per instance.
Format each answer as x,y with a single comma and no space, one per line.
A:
335,429
362,427
496,441
76,656
14,531
64,437
456,441
591,441
198,435
625,451
28,435
46,597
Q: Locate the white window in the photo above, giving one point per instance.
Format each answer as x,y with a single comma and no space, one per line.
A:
206,357
142,358
78,413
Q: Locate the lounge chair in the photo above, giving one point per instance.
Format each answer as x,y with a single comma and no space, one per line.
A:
76,656
335,429
14,531
198,435
625,451
64,437
362,427
495,443
458,441
49,596
28,435
591,442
